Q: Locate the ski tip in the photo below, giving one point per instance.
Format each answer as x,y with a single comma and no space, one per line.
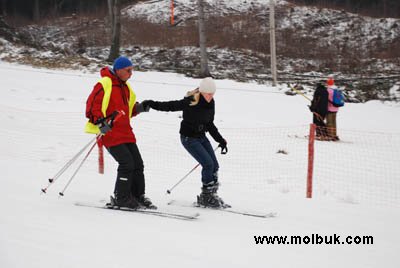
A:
224,205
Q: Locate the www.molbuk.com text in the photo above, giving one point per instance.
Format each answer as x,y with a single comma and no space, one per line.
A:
314,239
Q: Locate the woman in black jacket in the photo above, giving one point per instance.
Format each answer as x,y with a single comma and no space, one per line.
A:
319,108
198,108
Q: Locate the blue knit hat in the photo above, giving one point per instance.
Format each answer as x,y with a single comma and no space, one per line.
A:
121,63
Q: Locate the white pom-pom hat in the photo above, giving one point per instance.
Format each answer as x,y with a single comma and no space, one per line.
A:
207,85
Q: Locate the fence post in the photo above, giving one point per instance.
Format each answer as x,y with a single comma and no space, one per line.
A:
172,22
101,156
311,139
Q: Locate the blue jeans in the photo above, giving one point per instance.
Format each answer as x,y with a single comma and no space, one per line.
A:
202,151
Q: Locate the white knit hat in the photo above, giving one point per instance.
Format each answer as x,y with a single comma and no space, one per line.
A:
207,85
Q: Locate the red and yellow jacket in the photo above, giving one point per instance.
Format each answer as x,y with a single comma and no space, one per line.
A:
111,94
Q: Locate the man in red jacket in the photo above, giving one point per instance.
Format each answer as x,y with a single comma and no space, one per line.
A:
113,95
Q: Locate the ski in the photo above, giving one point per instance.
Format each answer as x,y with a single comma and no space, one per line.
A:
227,208
165,214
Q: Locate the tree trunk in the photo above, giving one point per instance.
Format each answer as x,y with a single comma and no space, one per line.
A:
204,71
3,8
36,10
56,8
110,4
348,5
115,12
385,11
272,41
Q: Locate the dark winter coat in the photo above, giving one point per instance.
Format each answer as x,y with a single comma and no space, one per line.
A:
119,100
319,103
198,115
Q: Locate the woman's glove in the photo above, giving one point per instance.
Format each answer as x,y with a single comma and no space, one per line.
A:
223,145
147,104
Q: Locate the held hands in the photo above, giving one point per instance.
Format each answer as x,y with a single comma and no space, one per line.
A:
142,107
223,146
147,104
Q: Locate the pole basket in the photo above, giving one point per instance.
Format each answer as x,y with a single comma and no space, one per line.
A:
101,156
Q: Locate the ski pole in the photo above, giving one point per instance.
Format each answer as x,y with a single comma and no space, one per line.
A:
67,165
76,171
110,120
184,177
302,94
299,92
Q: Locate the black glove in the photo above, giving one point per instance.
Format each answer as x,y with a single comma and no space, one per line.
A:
104,127
189,98
147,104
140,108
105,124
224,148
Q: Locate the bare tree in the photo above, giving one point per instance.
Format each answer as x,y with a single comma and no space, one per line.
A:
114,7
385,9
56,7
272,41
204,71
4,8
36,10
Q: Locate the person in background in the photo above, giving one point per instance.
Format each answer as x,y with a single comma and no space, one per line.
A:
113,96
198,108
319,108
332,111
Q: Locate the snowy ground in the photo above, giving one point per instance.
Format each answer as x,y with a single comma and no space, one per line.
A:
42,114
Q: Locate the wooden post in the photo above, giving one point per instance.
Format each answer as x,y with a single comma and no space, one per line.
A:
311,140
101,156
272,41
172,13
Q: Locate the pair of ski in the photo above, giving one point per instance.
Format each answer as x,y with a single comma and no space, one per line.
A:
181,215
165,214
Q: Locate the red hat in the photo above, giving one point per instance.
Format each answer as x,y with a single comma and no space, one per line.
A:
330,81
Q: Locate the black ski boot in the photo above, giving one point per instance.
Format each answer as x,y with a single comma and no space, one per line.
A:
146,202
123,201
208,196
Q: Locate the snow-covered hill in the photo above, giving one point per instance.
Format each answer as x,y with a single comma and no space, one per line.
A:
312,43
159,11
42,115
325,27
340,26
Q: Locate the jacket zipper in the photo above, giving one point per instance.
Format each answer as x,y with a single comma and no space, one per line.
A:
121,87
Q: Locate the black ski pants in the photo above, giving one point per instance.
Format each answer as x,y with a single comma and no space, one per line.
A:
130,177
321,126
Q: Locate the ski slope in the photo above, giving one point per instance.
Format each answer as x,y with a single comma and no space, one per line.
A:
42,115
